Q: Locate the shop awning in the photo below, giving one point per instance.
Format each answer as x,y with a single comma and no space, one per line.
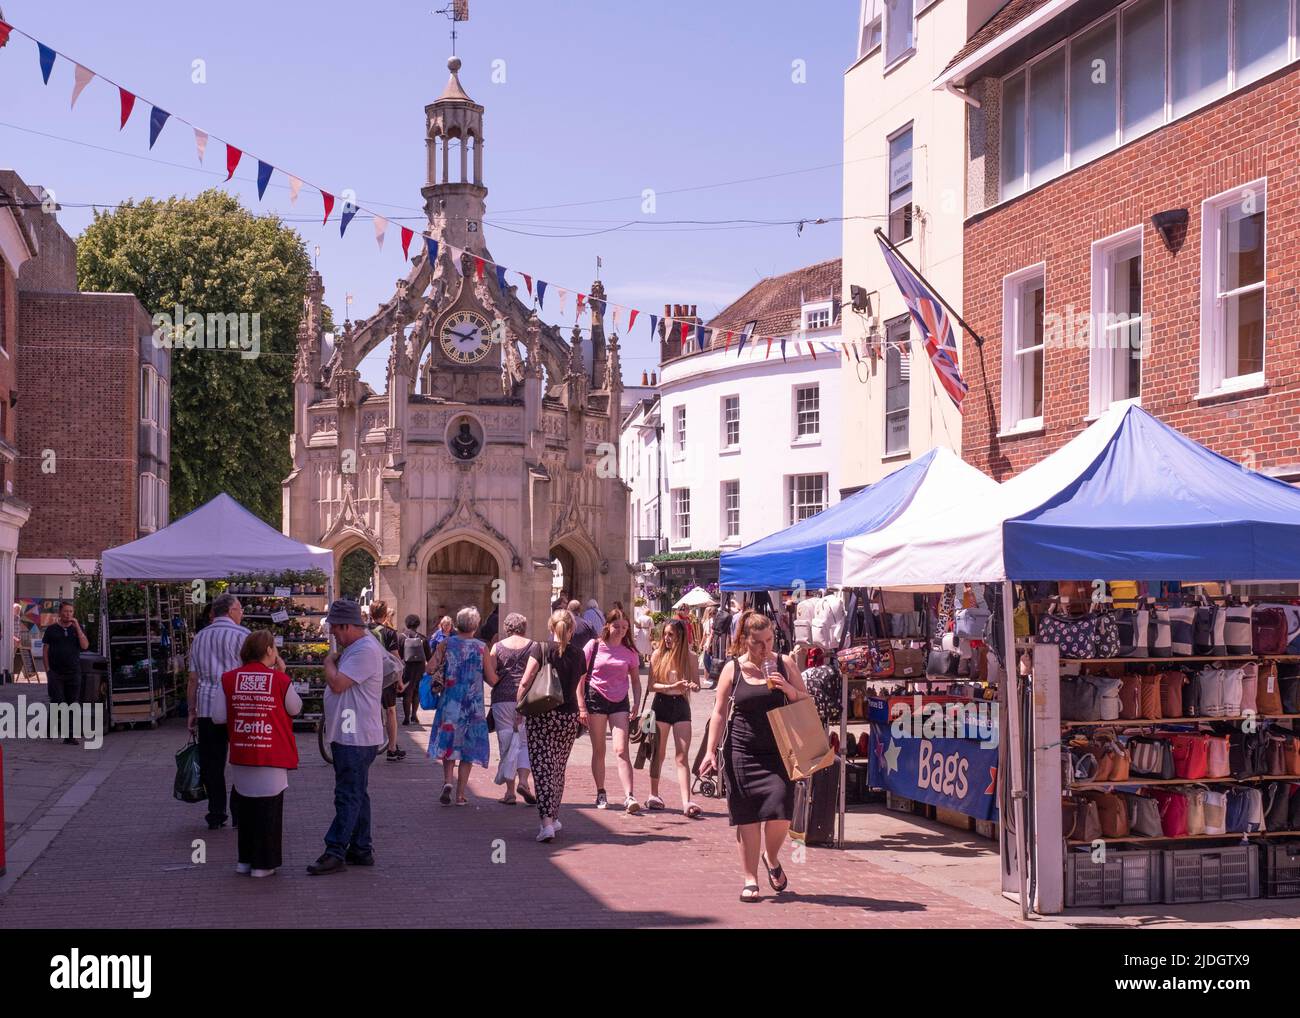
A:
798,553
1130,498
216,540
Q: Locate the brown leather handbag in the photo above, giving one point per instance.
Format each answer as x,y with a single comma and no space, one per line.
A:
1291,755
1112,813
1130,697
1268,693
1151,697
1171,694
1080,820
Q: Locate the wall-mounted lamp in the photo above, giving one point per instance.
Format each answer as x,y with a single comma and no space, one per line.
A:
861,299
1172,227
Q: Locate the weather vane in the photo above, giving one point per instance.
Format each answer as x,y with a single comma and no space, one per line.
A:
457,10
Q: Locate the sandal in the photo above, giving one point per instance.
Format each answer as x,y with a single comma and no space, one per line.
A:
773,873
749,893
445,798
693,811
508,800
528,797
654,802
462,801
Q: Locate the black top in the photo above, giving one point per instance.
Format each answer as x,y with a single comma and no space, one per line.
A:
489,631
65,647
755,699
569,669
583,634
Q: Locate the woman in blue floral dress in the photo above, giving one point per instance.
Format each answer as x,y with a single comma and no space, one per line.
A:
460,733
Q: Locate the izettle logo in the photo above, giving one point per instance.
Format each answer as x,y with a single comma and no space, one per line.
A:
75,971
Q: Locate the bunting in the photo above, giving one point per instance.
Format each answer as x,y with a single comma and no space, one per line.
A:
233,155
156,121
431,249
577,313
201,143
528,282
631,319
47,60
381,225
349,210
478,267
4,33
263,177
407,235
81,77
541,293
328,200
295,185
126,100
501,278
654,326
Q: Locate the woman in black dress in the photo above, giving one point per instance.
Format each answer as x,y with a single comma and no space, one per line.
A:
760,795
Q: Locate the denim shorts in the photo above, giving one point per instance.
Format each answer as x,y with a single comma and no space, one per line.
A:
597,704
671,710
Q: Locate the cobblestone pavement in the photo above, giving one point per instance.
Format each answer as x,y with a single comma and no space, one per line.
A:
101,843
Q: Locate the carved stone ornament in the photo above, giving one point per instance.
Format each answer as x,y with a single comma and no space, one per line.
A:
463,514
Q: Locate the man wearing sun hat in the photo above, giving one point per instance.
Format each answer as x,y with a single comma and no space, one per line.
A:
354,680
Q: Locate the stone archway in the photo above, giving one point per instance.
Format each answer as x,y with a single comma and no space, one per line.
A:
578,570
459,575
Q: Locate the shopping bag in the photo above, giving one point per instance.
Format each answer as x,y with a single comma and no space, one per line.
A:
801,738
509,765
188,786
429,697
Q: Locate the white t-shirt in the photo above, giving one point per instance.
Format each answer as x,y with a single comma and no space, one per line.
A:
353,717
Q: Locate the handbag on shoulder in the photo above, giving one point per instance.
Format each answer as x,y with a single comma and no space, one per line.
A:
546,693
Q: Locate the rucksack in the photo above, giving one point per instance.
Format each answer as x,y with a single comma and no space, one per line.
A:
413,648
722,624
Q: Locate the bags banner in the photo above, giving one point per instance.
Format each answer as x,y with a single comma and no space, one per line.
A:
951,770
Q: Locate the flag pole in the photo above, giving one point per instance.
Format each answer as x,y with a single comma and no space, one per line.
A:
979,340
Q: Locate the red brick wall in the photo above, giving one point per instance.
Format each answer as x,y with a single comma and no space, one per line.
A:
79,380
1245,137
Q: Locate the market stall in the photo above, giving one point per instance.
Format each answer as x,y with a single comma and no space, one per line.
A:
896,628
1135,703
219,541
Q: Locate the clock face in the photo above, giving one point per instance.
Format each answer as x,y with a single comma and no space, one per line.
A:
466,338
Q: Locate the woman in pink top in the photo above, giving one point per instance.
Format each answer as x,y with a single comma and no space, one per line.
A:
609,691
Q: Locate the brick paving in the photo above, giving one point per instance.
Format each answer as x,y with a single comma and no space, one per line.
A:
123,859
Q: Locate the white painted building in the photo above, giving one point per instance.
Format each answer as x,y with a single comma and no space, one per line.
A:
643,473
751,438
904,171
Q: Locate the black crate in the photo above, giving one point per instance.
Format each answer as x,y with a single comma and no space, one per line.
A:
1125,878
1282,871
1211,874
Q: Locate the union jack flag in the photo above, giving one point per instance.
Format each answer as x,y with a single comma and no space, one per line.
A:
936,330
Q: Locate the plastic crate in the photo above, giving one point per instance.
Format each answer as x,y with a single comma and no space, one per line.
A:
855,784
1125,878
1211,874
1282,871
898,804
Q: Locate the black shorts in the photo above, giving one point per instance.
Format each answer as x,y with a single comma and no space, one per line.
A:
670,710
389,697
597,704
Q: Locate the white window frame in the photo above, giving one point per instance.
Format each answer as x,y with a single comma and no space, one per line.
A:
1104,356
681,515
164,405
792,490
725,445
148,494
729,500
890,190
1013,287
1214,356
873,17
148,394
903,322
812,437
679,432
813,312
1235,83
161,507
897,58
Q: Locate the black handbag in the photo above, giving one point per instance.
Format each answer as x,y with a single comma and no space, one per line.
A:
942,662
545,694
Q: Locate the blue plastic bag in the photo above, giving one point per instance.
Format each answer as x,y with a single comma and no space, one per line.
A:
428,697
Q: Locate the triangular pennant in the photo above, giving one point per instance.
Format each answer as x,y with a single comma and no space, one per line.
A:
615,318
295,185
744,338
201,143
563,294
5,29
381,224
684,326
528,282
457,253
407,235
856,356
699,335
80,79
328,200
541,293
501,278
812,351
631,318
654,326
769,348
349,210
478,267
47,60
233,155
127,103
577,312
726,343
156,121
431,250
783,349
264,171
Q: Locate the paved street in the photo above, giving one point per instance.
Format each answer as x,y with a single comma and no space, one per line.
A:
120,857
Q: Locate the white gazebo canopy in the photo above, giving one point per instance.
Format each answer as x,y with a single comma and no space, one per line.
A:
215,541
697,597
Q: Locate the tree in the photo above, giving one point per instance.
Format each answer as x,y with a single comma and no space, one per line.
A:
231,416
356,573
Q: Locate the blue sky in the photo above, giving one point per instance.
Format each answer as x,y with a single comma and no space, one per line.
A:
601,100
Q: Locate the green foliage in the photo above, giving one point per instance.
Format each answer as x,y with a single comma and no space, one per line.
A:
682,556
356,572
231,417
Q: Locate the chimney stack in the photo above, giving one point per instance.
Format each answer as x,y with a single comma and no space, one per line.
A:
645,379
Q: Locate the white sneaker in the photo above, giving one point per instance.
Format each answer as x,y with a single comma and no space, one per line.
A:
558,826
262,873
243,868
631,805
547,833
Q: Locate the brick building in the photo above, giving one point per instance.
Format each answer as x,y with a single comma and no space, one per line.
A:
1133,187
92,436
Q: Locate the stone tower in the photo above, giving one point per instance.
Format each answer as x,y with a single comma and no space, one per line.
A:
488,467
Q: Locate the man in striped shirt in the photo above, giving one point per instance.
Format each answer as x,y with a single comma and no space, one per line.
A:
214,652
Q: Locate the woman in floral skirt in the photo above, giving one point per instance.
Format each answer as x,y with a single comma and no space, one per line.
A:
460,733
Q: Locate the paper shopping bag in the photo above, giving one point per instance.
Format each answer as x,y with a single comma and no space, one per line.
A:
801,738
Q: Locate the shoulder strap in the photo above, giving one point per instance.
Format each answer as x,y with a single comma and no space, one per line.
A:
591,654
